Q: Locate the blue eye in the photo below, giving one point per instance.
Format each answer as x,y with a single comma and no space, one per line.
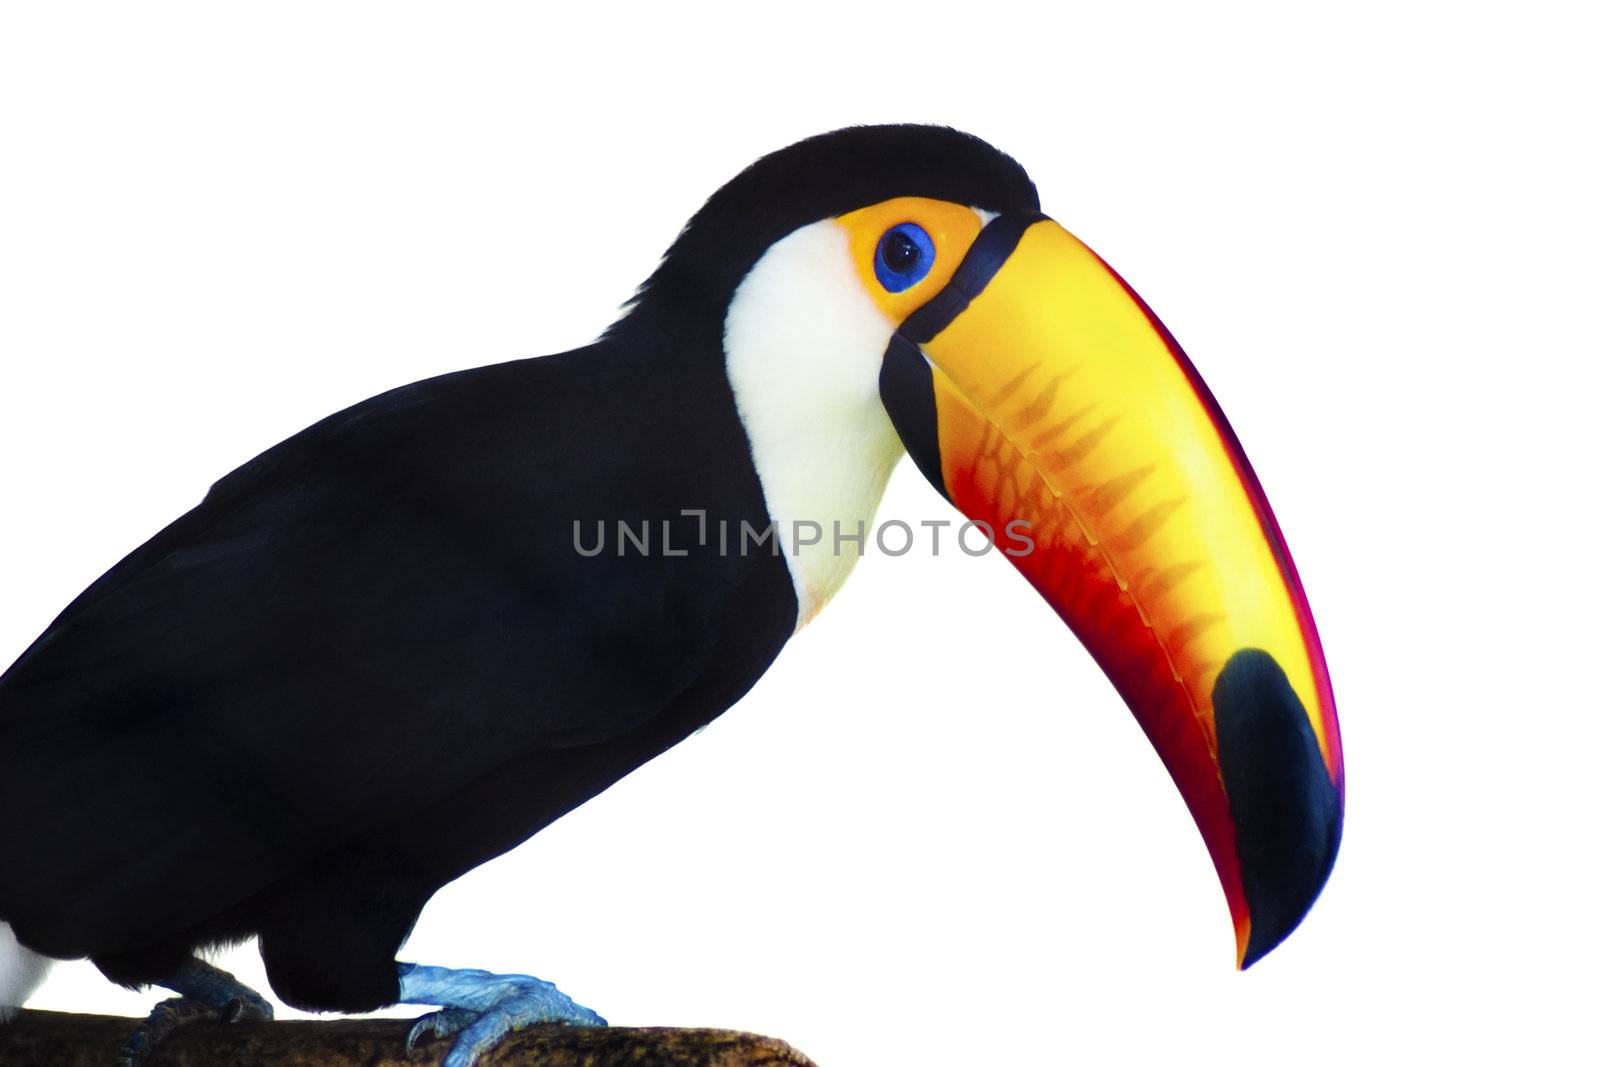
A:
905,256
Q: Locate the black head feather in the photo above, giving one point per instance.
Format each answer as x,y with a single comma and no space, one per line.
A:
818,178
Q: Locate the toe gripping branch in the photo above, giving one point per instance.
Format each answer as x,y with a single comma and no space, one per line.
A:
204,992
482,1008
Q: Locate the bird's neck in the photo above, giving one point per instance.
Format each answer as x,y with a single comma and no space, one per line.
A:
806,387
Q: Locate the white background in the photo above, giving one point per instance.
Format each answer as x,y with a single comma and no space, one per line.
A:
931,834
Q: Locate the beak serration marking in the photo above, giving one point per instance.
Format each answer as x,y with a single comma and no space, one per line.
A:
1078,450
1050,433
1042,403
1006,391
1145,525
1109,494
1152,586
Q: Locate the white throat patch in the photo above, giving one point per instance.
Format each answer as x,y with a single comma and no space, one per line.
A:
804,344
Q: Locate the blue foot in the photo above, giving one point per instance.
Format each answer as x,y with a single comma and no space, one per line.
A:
482,1008
206,993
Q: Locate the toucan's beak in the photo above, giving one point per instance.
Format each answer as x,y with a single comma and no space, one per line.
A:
1040,394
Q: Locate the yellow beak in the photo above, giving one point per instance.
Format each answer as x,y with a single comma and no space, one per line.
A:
1041,396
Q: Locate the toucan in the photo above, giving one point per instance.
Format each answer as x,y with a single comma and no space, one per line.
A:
404,640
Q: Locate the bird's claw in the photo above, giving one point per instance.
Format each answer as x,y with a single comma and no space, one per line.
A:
438,1024
246,1007
508,1002
174,1012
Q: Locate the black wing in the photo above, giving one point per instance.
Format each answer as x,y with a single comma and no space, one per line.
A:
360,622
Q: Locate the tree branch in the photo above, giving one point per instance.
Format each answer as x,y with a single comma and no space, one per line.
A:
62,1039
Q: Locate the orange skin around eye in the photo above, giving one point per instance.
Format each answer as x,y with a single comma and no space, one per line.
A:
953,228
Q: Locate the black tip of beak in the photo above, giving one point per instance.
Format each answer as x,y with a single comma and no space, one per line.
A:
1287,812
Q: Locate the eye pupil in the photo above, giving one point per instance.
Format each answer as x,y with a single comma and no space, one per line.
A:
905,256
900,252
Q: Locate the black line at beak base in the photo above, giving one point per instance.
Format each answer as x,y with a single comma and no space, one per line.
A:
905,383
977,269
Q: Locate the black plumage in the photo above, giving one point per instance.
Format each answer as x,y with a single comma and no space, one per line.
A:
372,658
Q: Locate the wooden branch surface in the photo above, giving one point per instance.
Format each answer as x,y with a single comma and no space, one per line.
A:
62,1039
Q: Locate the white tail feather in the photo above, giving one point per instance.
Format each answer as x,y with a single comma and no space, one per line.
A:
21,971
